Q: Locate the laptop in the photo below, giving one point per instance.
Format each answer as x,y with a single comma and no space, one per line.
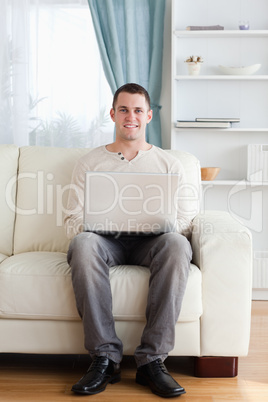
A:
123,203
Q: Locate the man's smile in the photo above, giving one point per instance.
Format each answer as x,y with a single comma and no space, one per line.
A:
131,125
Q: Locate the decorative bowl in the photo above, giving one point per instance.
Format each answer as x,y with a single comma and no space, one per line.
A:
209,173
240,70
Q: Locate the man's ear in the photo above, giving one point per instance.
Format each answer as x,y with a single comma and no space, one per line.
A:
112,114
150,116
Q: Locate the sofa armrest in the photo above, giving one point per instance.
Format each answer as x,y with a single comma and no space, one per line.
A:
222,249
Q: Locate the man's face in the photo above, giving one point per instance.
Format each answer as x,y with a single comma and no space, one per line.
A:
131,115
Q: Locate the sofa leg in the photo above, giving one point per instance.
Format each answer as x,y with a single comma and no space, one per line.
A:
216,366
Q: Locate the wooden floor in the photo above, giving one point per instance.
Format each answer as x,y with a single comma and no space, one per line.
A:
49,378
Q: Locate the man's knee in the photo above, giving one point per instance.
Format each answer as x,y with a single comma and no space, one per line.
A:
83,244
176,254
175,243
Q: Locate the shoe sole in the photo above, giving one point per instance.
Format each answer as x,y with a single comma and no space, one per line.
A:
141,380
112,380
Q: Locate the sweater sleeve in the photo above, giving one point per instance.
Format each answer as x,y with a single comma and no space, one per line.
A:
184,206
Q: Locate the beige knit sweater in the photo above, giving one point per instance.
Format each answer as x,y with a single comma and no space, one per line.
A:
155,160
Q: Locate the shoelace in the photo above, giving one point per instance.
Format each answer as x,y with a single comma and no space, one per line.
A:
97,364
159,366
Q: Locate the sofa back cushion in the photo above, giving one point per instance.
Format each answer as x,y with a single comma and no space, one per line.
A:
8,173
43,184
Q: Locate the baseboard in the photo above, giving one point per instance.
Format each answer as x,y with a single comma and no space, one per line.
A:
259,294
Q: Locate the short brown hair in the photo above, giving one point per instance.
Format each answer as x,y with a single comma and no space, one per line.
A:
132,88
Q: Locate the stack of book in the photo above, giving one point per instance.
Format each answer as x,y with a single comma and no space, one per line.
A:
199,122
204,28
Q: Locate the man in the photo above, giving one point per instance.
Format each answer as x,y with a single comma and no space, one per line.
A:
91,255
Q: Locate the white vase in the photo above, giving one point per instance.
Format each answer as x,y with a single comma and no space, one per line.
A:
194,68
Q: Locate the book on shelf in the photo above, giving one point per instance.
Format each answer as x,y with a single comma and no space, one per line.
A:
203,124
204,28
219,119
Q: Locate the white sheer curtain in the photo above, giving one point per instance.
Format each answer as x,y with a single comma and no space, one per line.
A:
53,90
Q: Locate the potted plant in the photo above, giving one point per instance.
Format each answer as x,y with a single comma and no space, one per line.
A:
194,64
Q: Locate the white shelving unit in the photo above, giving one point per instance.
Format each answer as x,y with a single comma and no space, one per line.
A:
212,94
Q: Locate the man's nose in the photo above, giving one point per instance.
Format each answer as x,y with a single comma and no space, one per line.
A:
131,114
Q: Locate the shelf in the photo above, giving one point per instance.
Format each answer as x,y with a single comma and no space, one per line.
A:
220,77
236,33
241,182
238,129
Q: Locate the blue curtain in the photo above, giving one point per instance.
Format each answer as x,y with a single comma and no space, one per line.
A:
130,38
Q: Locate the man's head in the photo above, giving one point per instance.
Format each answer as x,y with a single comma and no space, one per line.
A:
131,113
132,89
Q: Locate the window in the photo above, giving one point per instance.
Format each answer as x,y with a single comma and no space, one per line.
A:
56,69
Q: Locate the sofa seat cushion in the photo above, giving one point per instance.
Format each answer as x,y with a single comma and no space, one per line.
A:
37,285
3,257
132,282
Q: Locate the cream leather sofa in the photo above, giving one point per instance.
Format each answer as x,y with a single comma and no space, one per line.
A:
37,305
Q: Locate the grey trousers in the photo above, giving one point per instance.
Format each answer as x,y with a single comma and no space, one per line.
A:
167,256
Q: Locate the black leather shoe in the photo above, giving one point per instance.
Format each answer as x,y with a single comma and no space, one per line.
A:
155,375
101,372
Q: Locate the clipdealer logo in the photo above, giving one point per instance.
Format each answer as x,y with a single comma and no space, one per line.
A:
244,202
44,197
37,193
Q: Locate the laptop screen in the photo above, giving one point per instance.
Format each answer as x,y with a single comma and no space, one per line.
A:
130,203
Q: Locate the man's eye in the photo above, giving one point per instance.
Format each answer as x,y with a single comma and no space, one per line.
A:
123,110
139,111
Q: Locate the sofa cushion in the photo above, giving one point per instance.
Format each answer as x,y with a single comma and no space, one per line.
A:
8,172
43,183
2,257
38,285
130,284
